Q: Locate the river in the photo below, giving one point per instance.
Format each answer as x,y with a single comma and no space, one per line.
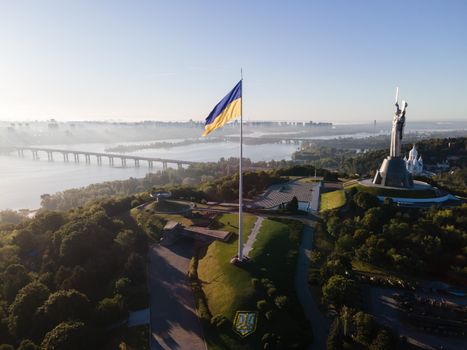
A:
23,181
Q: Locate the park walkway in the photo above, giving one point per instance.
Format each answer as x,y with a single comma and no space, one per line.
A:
248,246
315,199
174,321
318,322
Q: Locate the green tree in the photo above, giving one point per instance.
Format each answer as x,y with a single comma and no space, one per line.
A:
333,226
26,303
123,287
372,220
25,240
336,264
340,291
292,206
335,338
365,200
126,238
262,305
14,278
67,336
76,278
84,238
383,341
345,243
134,268
65,305
11,217
111,310
6,347
281,301
27,344
130,240
365,328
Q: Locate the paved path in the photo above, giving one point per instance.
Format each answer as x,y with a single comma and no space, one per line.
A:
318,322
174,322
248,246
315,199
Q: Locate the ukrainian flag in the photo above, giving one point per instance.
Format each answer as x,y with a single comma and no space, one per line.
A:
229,108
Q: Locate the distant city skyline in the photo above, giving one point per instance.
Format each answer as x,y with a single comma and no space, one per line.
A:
336,61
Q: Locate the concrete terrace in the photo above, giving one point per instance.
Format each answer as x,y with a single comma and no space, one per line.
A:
306,193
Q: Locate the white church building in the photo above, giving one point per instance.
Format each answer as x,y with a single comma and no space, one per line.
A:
414,163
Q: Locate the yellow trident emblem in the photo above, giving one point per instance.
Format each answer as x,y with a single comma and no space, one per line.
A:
245,322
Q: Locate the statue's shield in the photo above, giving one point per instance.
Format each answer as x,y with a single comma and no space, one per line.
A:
245,322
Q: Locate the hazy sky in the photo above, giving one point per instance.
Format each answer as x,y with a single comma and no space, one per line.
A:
173,60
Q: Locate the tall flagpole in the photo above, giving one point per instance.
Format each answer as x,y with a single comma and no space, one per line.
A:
240,181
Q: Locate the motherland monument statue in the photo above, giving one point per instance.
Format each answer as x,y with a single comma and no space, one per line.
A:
393,171
398,123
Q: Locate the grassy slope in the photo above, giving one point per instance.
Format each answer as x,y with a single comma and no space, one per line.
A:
362,266
170,206
218,276
332,200
229,288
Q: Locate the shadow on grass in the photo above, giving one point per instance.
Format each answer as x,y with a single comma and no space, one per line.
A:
289,322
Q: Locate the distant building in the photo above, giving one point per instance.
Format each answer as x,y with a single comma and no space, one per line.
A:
414,163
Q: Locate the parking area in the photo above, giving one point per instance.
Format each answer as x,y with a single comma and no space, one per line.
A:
386,308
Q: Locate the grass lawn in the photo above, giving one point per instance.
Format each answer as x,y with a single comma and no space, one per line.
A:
310,179
365,267
221,280
332,200
349,184
178,218
361,266
168,206
291,177
229,288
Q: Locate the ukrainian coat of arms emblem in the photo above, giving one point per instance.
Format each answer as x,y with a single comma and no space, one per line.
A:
245,322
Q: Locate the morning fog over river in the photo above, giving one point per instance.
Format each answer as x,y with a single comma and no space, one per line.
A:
23,180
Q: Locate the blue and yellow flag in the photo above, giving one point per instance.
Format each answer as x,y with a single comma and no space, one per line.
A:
229,108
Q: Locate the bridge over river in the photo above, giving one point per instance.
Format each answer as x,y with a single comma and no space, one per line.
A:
78,156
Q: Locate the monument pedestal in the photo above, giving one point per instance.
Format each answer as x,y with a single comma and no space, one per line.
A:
393,173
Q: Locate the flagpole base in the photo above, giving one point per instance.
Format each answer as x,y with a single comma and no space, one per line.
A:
237,261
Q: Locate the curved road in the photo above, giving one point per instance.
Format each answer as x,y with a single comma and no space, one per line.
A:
319,323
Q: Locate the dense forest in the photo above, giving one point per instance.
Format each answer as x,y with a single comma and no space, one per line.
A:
193,183
345,160
192,177
67,278
410,243
405,240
